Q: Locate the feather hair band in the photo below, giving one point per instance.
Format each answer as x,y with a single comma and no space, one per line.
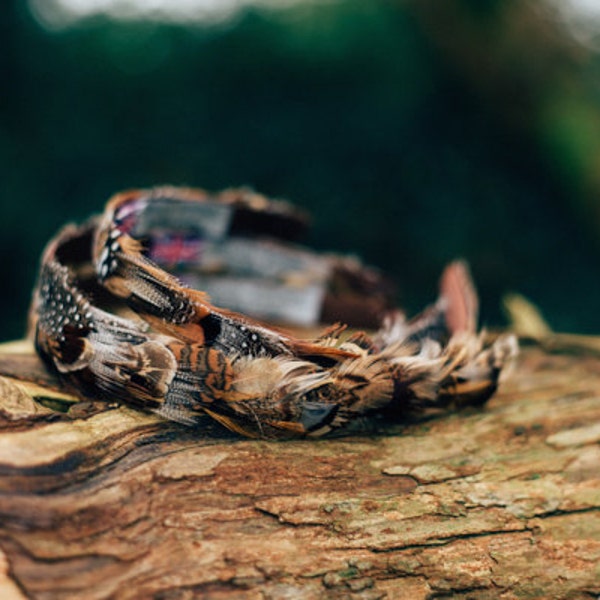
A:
115,325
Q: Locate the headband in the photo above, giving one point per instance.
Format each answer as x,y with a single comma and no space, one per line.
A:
110,319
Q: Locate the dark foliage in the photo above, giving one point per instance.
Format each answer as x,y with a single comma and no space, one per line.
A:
346,108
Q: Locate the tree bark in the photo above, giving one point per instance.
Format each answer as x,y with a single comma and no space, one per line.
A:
103,501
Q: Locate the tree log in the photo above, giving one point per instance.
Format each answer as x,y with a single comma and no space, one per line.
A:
102,501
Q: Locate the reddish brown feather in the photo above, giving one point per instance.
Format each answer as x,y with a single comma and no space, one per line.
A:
458,291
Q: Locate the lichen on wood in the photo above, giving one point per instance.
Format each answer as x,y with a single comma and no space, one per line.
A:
102,501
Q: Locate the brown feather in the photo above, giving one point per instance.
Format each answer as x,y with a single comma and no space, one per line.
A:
458,292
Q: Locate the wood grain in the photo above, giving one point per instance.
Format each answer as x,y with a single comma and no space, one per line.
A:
102,501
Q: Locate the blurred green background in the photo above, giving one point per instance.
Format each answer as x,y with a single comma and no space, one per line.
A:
414,131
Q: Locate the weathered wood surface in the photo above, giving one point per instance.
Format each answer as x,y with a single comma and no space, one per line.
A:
498,503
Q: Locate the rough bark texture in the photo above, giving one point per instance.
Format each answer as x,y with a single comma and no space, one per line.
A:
113,503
